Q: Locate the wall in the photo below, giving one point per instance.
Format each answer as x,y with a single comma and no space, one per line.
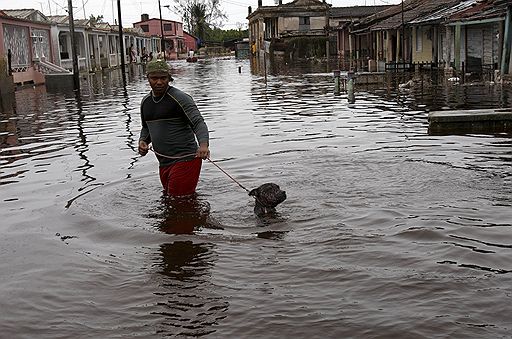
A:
422,37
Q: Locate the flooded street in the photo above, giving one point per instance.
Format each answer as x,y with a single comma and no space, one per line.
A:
387,231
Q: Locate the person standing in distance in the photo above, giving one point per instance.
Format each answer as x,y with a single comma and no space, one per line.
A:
176,128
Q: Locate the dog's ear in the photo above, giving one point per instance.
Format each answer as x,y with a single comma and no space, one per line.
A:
253,192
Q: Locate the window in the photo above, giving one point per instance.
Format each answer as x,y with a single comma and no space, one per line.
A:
304,20
167,27
304,23
145,28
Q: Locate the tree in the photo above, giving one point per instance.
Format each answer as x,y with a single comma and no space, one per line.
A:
200,16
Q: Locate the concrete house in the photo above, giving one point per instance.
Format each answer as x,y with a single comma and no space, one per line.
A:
98,46
191,43
61,39
482,36
297,29
171,31
25,33
464,35
390,39
340,21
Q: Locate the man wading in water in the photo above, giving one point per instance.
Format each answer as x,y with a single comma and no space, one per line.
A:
172,122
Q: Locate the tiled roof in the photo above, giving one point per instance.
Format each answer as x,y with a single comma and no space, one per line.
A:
355,11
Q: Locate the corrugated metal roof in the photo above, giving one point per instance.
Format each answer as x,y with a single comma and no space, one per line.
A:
412,12
444,12
58,19
29,14
483,10
64,20
19,13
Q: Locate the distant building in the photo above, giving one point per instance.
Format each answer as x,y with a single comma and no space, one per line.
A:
172,34
191,42
296,28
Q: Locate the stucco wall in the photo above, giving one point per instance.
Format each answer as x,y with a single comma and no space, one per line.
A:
317,22
288,24
422,44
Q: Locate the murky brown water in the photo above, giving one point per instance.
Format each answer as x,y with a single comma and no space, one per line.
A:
386,232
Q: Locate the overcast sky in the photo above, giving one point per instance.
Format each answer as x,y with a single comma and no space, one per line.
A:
131,10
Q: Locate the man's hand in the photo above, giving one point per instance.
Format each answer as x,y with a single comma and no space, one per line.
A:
203,152
143,148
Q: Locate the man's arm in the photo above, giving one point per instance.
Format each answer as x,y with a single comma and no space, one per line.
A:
145,137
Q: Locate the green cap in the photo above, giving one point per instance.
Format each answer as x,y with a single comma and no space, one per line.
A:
158,65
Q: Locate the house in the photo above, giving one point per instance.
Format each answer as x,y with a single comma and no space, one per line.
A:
190,42
296,29
388,36
340,21
171,31
61,39
26,34
137,43
97,44
481,35
470,36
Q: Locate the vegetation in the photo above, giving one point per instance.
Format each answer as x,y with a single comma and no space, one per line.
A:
200,16
220,35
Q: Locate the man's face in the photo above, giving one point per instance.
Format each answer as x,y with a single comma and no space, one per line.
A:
158,82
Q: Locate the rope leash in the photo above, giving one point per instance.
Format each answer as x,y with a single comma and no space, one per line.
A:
229,176
169,157
210,160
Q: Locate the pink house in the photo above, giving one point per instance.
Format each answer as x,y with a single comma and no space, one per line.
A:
191,43
172,34
26,34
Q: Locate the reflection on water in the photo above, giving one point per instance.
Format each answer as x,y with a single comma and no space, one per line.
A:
384,225
189,307
184,215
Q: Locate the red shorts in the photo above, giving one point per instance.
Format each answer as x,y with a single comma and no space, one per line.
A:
181,178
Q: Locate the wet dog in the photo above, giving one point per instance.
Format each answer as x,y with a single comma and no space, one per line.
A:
267,197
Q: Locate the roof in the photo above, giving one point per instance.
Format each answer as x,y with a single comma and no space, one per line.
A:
304,3
289,9
155,19
482,10
64,20
442,14
355,11
28,14
412,10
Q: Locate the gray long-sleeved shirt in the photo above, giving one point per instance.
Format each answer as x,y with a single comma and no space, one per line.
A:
172,124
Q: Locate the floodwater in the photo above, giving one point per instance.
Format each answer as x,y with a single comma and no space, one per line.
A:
386,232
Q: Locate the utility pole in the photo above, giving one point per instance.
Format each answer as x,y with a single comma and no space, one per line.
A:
121,41
327,33
76,75
403,35
161,29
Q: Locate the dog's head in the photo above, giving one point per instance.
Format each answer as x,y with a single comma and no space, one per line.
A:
268,196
